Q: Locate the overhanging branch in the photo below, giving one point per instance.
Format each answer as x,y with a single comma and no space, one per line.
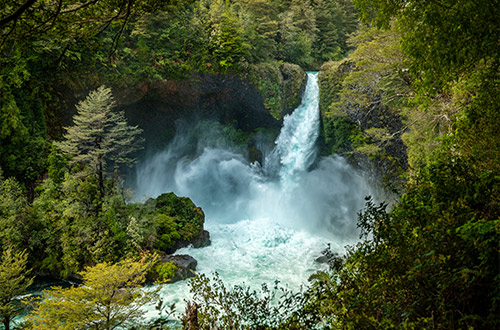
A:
17,13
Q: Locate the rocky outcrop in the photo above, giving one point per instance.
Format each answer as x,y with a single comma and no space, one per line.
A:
155,106
176,222
185,266
171,268
281,86
201,240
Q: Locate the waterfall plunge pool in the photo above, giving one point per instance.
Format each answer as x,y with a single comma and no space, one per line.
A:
267,221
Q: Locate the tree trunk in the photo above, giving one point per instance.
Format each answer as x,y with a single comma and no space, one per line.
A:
190,317
6,322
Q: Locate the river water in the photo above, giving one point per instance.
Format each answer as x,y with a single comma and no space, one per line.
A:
267,221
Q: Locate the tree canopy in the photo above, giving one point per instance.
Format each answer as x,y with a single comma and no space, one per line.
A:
110,297
445,38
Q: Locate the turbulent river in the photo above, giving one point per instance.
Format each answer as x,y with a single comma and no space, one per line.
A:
267,221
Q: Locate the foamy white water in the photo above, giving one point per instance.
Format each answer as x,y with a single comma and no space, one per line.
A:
266,222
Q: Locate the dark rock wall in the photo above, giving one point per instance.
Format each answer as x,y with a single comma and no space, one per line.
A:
156,106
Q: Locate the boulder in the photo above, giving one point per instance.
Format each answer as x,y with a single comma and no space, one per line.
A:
186,265
201,240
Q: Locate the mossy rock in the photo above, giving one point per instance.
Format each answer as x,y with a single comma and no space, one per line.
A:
172,268
280,84
178,222
181,208
293,85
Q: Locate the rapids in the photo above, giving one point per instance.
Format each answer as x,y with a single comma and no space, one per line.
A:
267,221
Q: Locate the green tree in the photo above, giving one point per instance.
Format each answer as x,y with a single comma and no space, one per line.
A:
261,23
110,297
77,228
13,217
335,21
100,137
220,307
297,31
14,280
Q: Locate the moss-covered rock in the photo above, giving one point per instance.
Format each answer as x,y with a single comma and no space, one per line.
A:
178,222
172,268
338,130
280,84
293,85
168,223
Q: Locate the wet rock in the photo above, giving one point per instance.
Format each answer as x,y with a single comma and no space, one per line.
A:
186,266
201,240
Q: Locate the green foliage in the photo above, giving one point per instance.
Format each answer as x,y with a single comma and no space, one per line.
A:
476,134
14,220
224,37
266,77
362,99
71,227
427,125
279,84
110,297
240,307
166,232
261,24
298,30
443,38
338,134
165,271
22,123
14,281
75,233
335,22
177,218
421,265
227,41
100,137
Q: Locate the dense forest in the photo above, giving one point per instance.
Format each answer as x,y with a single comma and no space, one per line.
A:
409,90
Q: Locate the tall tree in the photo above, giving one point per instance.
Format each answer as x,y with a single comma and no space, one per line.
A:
100,137
335,21
13,282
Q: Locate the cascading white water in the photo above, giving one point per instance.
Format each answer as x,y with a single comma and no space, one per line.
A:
266,222
296,144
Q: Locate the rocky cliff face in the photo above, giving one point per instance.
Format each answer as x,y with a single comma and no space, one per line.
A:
258,98
241,100
281,86
368,133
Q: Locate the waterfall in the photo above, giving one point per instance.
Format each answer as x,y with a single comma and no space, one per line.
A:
296,144
266,222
